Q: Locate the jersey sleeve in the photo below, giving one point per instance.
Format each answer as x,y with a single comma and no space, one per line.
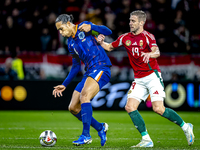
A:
151,41
70,48
118,42
101,29
76,66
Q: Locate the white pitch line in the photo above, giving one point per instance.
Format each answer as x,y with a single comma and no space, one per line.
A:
16,128
12,128
29,147
175,139
57,148
63,128
61,138
45,128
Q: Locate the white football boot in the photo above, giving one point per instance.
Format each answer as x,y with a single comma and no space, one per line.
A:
144,143
189,134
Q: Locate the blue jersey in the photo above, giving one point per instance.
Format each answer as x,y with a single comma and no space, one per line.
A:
88,50
84,47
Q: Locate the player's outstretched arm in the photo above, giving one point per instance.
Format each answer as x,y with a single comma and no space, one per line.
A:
76,66
106,46
101,29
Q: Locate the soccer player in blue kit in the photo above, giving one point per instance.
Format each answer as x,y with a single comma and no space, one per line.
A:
83,46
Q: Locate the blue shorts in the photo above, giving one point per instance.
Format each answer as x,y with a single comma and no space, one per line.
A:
101,75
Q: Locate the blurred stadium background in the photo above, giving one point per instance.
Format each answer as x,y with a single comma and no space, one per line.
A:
34,57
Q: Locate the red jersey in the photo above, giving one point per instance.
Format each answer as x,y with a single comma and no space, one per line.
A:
135,44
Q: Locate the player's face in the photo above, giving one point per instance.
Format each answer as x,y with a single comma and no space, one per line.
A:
64,29
134,23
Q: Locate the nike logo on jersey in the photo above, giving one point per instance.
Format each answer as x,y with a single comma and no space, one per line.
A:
76,51
134,43
156,92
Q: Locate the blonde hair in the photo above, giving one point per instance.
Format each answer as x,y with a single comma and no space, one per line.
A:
140,14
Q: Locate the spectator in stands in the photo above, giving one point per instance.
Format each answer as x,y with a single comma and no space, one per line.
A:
147,6
110,19
7,7
30,38
162,36
178,19
123,16
8,73
17,17
18,66
11,43
150,24
45,40
37,19
181,39
162,10
195,42
73,7
137,5
52,31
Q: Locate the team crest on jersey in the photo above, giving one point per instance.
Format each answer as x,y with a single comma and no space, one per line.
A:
141,43
128,43
81,35
129,92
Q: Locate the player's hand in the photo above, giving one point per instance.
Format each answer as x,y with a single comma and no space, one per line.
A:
100,38
85,27
58,90
145,56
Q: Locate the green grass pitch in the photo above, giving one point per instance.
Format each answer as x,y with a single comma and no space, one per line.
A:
21,129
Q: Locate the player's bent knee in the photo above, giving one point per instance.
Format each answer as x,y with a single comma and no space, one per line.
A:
74,110
158,110
84,97
129,108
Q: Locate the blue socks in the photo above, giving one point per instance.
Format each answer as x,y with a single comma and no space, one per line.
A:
94,123
86,113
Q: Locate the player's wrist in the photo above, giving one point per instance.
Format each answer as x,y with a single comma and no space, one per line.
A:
64,84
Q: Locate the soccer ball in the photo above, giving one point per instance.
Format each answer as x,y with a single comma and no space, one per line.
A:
48,138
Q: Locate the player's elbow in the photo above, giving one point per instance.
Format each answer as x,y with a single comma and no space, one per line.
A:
76,68
111,47
158,54
108,49
109,32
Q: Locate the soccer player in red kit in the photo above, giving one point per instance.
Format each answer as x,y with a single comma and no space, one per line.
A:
142,52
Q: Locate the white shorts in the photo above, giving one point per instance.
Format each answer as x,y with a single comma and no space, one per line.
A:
151,84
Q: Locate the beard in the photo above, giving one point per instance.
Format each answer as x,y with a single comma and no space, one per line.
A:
135,30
